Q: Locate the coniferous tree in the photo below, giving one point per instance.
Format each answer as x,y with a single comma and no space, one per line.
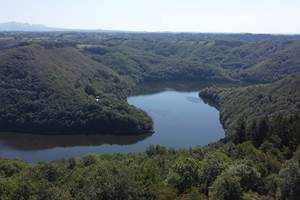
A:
240,131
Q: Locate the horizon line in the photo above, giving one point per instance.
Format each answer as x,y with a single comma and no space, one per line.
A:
91,30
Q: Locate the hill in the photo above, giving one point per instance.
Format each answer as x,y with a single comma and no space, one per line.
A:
61,82
53,88
281,97
155,58
26,27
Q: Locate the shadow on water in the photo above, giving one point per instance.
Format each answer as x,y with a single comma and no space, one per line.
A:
180,86
20,141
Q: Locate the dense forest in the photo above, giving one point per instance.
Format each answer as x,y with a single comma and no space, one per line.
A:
53,88
75,82
218,172
255,101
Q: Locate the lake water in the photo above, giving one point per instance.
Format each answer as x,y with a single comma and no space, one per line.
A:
181,119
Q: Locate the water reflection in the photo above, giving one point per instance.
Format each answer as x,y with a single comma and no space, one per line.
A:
180,86
20,141
181,120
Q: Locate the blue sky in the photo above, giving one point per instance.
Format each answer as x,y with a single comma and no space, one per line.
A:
255,16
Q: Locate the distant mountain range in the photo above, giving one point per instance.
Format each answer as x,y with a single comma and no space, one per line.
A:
16,26
26,27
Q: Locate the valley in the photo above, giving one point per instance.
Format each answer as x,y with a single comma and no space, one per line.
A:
111,116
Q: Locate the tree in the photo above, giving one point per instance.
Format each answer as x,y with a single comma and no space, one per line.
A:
193,194
90,90
210,168
226,187
184,174
262,131
289,181
253,134
153,150
165,193
249,177
240,131
7,188
254,196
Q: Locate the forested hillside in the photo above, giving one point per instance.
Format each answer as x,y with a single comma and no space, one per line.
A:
53,88
70,82
61,83
218,172
179,58
260,112
248,102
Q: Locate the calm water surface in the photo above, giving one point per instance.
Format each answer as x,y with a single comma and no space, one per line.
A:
181,119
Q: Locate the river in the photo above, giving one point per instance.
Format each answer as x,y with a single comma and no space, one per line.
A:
181,120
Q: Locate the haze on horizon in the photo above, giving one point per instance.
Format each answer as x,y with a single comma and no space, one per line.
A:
233,16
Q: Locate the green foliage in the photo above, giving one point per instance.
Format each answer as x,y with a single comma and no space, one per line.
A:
257,101
9,168
226,187
249,177
219,171
55,89
289,180
184,174
278,132
193,194
165,193
254,196
153,150
90,90
239,134
71,82
7,188
211,167
260,112
77,82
